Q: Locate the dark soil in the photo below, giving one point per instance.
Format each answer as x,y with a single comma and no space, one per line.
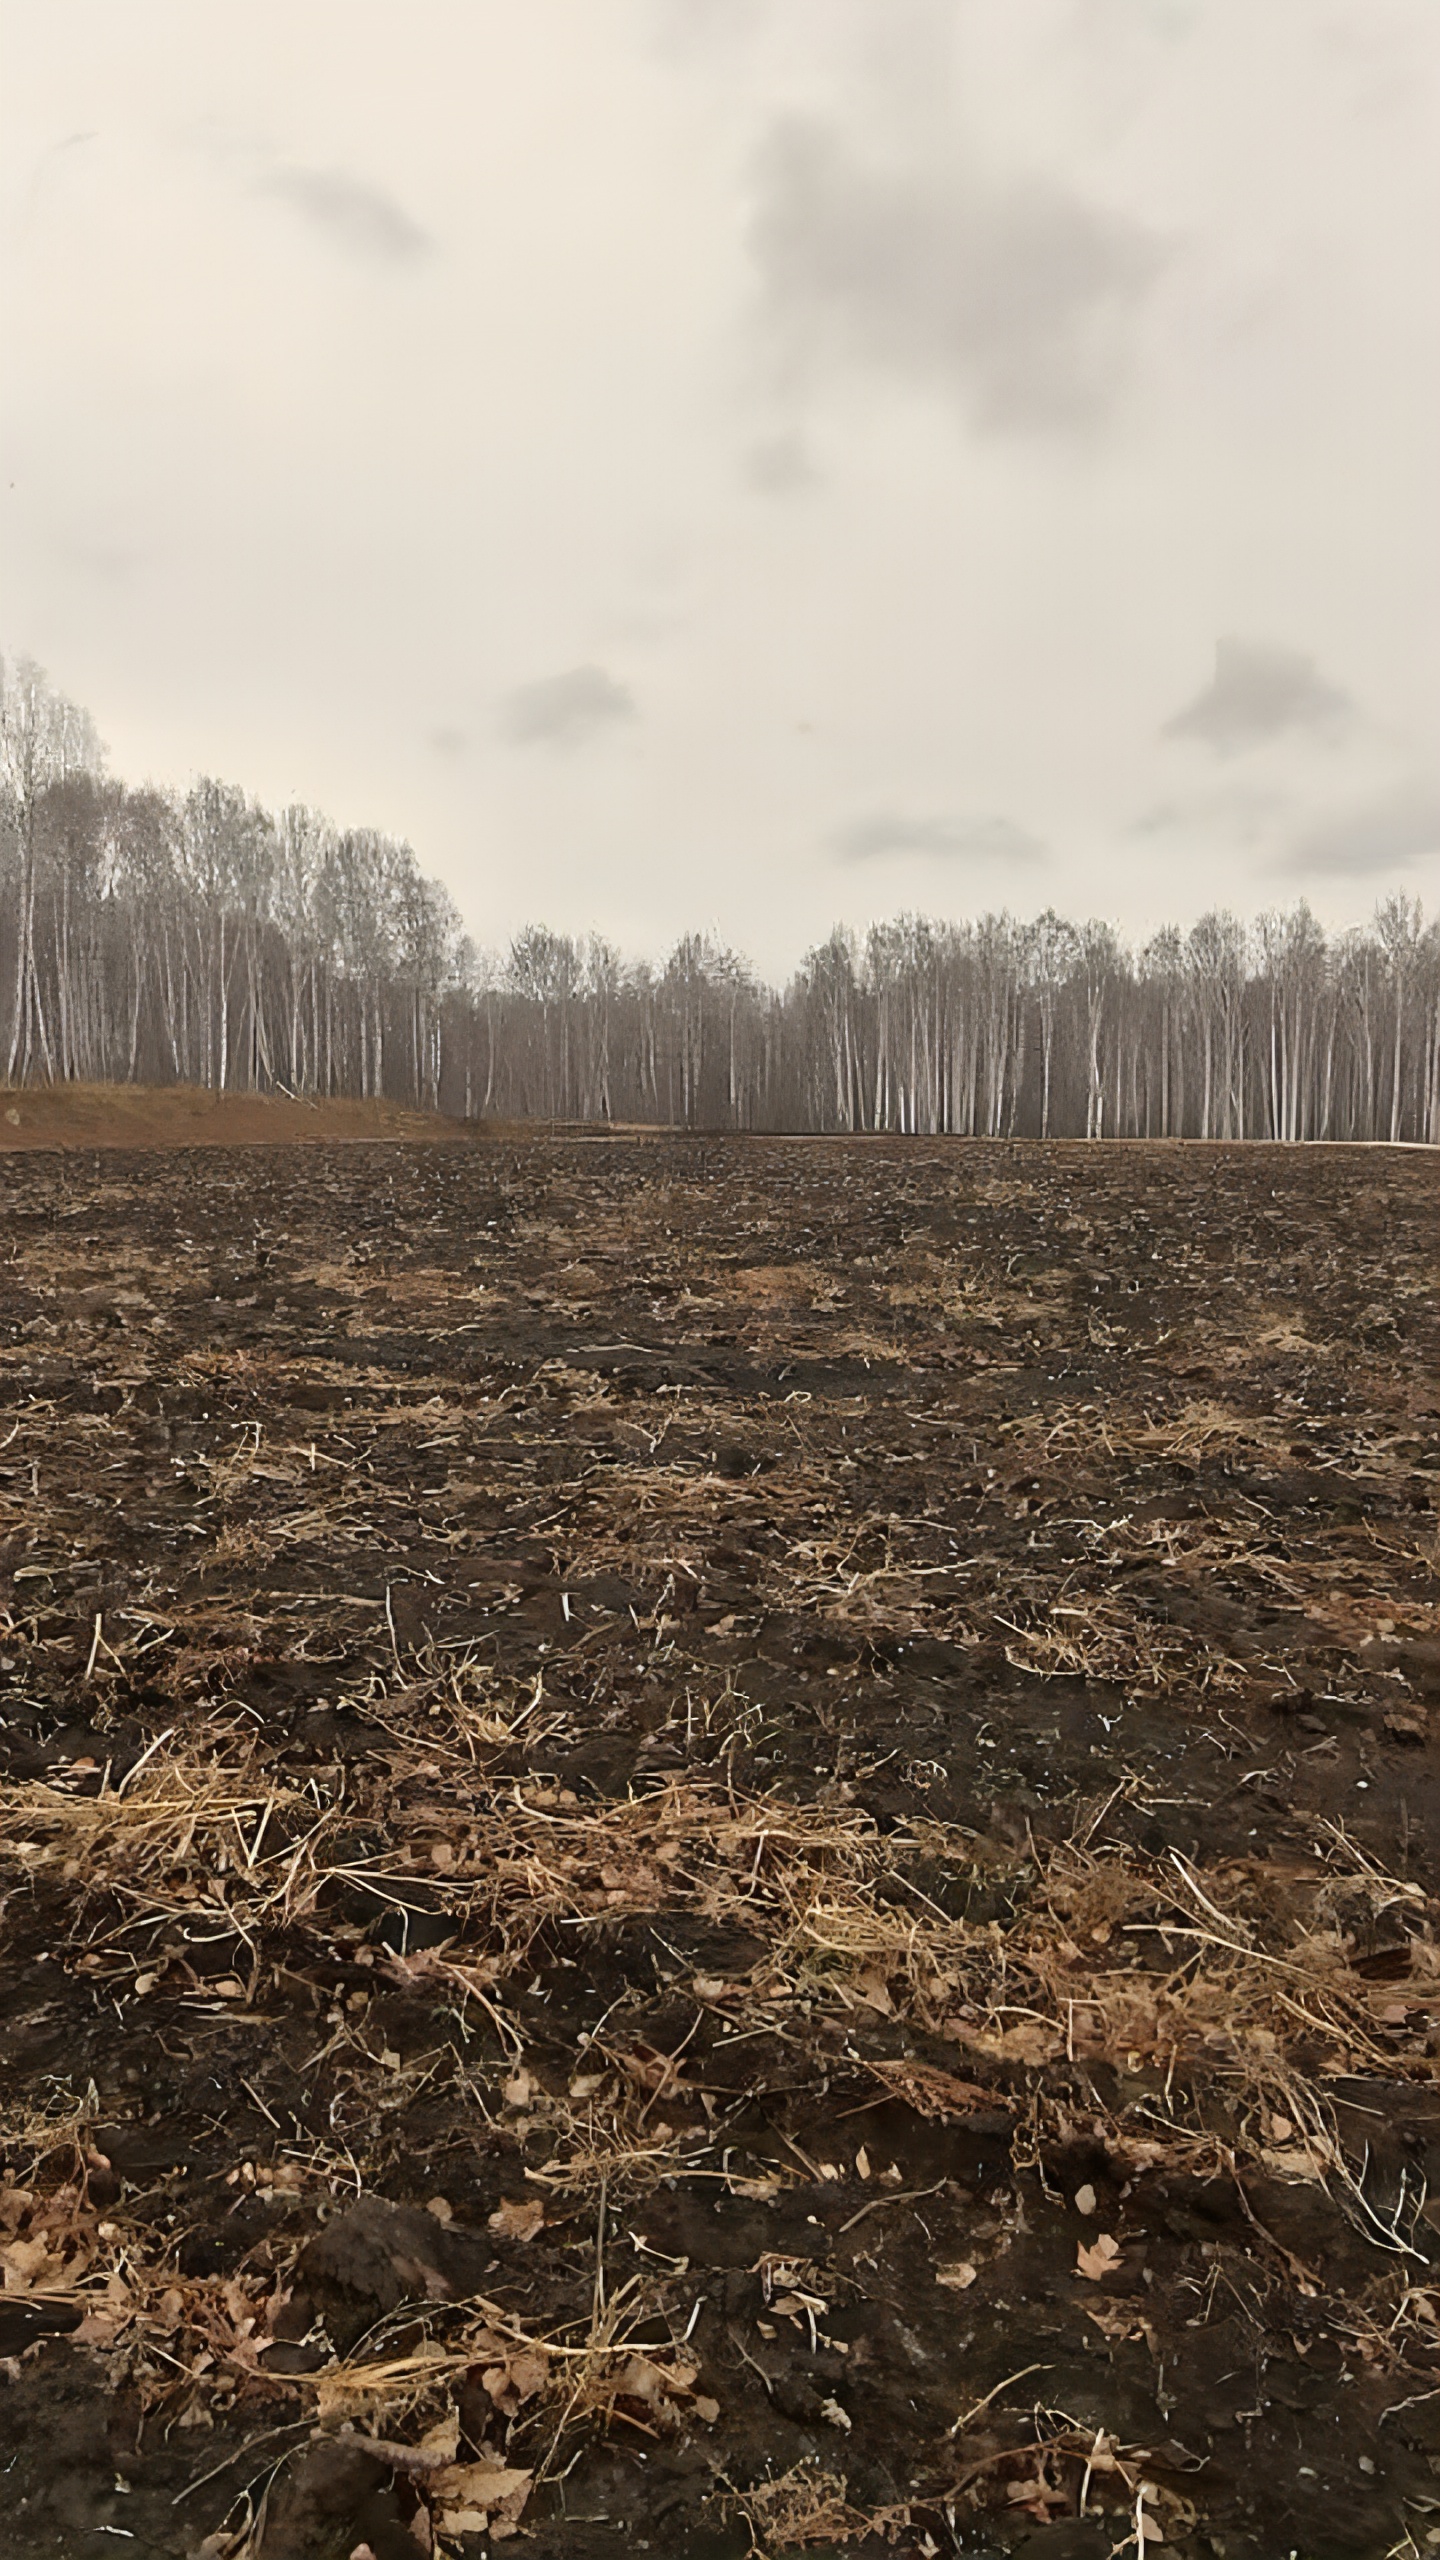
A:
651,1786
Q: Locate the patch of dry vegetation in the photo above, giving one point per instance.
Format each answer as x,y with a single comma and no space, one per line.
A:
1217,2006
834,1660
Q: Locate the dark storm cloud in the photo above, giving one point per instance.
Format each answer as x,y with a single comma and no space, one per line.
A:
559,710
1258,693
886,832
1014,293
354,214
1386,834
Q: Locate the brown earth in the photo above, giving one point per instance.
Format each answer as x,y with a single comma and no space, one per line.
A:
184,1115
730,1844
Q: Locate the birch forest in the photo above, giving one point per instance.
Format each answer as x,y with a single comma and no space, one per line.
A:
162,937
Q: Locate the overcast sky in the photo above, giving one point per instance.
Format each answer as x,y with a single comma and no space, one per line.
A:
747,463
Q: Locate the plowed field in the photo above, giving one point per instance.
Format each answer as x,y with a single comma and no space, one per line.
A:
719,1845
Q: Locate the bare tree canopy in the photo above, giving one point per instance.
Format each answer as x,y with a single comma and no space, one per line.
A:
198,938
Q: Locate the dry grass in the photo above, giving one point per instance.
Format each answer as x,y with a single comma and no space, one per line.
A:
1214,1990
100,1115
807,2505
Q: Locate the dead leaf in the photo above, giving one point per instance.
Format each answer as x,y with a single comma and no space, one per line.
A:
1120,2320
642,2380
660,2073
1034,2495
1100,2260
518,2218
516,2380
1298,2162
1031,2041
1085,2199
1136,2153
481,2497
29,2262
931,2093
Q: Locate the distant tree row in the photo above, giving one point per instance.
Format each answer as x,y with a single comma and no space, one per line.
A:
155,937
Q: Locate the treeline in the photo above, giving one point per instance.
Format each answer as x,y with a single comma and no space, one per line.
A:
155,937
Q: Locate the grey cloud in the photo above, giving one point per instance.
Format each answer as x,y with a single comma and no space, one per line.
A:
559,710
354,214
887,832
109,560
1258,693
1014,293
1385,834
681,29
780,466
1238,811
